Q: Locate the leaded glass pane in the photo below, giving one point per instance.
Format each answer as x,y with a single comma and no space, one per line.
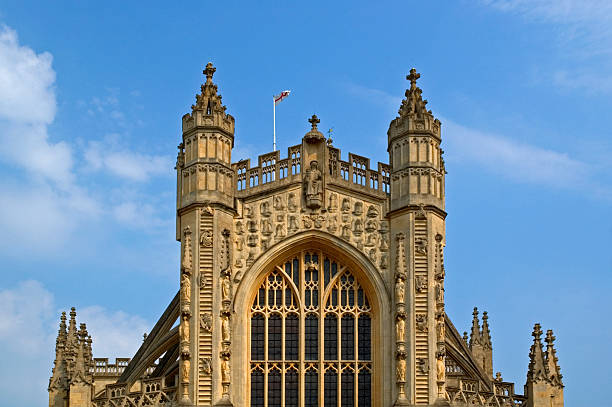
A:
274,389
275,332
311,389
347,332
348,389
330,389
257,389
331,337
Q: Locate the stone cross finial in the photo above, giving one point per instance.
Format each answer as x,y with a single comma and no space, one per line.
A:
314,120
413,78
209,72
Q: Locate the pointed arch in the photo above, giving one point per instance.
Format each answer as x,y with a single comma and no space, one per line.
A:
350,262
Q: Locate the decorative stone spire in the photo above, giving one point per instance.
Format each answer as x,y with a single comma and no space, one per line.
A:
475,334
552,362
465,337
485,335
72,336
209,101
537,366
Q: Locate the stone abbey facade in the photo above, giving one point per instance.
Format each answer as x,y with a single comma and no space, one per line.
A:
305,281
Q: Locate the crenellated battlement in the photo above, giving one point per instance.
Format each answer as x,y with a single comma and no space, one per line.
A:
273,172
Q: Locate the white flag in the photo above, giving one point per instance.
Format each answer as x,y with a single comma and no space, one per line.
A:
281,96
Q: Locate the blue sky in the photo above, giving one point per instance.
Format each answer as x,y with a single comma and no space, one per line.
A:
91,97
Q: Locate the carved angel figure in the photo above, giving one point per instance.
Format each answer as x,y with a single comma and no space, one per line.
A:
400,328
400,285
225,328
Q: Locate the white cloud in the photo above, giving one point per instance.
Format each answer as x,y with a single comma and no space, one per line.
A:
28,329
518,161
27,107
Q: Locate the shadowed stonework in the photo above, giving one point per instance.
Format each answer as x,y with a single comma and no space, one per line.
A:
306,281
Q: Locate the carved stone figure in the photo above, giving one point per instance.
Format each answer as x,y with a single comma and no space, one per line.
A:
187,264
400,285
226,288
346,205
400,328
313,186
252,226
225,371
266,227
420,283
318,221
346,232
371,239
400,370
358,210
239,243
203,281
421,322
239,228
185,289
371,225
291,205
206,366
440,368
184,328
372,255
372,212
252,240
384,261
440,327
248,212
278,203
307,221
264,244
422,365
185,370
439,293
421,246
358,227
225,328
280,231
264,209
206,322
333,202
293,225
206,240
332,224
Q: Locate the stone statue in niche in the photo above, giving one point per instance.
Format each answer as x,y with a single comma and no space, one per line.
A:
371,225
400,289
264,244
293,225
346,205
185,289
439,293
225,328
239,228
264,209
291,205
372,212
400,370
358,210
226,287
225,370
371,240
251,258
358,227
440,368
185,366
252,226
278,203
372,255
346,232
280,231
332,224
333,202
187,250
400,327
239,243
252,240
266,227
307,221
185,331
384,261
203,281
440,326
313,186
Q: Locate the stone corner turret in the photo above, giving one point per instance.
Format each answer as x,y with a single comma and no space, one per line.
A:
544,386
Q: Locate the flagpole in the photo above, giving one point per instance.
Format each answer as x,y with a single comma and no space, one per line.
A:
274,123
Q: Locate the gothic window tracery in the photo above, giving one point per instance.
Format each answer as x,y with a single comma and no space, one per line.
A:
310,336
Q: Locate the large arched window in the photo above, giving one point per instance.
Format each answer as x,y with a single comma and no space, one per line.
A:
310,336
